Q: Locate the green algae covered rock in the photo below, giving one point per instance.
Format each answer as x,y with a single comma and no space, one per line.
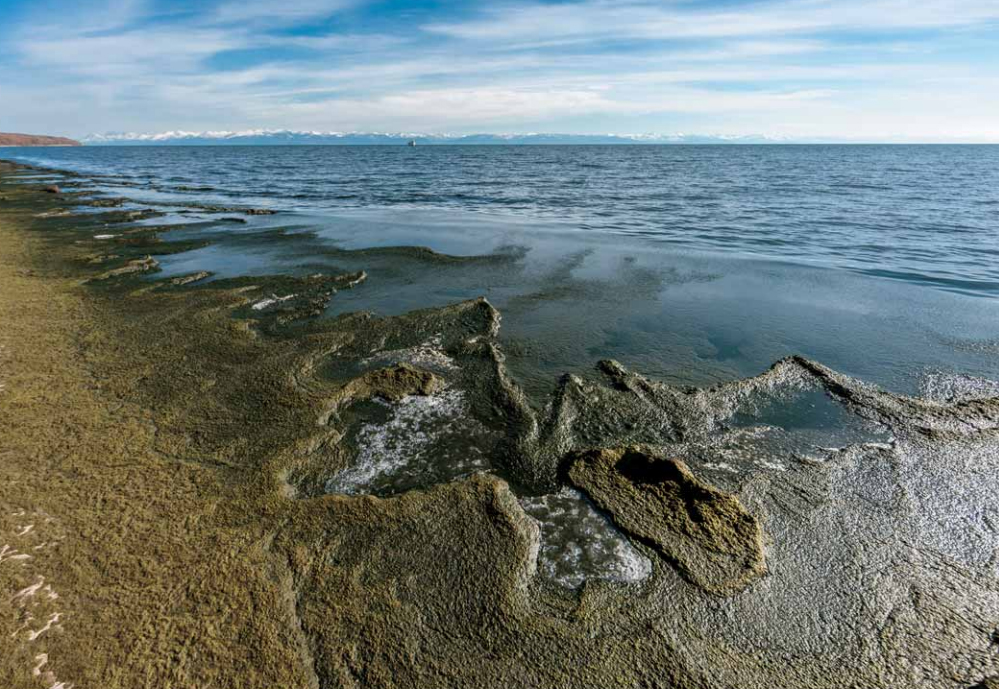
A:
706,534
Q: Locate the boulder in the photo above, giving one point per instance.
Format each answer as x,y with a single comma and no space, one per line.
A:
706,534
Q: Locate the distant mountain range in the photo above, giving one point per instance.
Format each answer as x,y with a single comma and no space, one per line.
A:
35,140
259,137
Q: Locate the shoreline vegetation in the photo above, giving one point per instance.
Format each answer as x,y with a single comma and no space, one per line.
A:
165,521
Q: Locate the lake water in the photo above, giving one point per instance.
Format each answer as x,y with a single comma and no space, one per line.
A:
692,264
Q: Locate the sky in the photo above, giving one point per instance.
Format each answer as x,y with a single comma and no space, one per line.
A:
843,70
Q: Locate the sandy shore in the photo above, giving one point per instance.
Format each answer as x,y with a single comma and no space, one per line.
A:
165,516
151,534
117,570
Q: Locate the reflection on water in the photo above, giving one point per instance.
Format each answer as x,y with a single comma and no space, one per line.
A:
800,423
569,299
919,214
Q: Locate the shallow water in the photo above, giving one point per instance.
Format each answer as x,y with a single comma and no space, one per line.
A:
570,298
693,264
580,543
770,429
914,213
689,265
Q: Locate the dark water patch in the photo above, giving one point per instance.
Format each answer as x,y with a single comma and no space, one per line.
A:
964,286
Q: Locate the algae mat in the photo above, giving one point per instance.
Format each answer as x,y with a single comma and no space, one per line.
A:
166,517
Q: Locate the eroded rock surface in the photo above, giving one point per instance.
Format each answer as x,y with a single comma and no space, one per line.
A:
705,533
882,570
391,383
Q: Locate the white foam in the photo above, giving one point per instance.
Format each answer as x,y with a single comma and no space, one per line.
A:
270,301
956,387
28,591
53,622
407,445
579,543
429,354
720,466
8,553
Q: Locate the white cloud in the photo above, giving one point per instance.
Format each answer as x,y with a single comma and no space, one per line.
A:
287,12
610,19
146,52
776,68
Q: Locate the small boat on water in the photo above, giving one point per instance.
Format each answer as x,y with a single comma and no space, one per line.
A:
412,142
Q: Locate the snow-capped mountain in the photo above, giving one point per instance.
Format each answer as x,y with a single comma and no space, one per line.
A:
291,138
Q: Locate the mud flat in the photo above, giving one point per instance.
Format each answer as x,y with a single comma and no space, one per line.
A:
175,509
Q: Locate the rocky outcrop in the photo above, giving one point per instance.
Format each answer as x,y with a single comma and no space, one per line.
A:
35,140
706,534
139,265
106,203
188,279
391,383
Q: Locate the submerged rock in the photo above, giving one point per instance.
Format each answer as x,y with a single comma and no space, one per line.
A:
106,203
138,265
123,216
188,279
705,533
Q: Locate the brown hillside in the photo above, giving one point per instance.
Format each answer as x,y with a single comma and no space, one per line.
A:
34,140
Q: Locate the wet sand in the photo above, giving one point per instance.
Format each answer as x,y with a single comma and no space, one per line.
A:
170,512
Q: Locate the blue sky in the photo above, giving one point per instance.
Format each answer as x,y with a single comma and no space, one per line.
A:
872,70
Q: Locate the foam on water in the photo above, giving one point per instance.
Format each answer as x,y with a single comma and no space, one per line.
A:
429,354
957,387
421,440
580,543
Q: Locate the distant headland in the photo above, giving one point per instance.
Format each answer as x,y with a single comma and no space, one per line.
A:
35,140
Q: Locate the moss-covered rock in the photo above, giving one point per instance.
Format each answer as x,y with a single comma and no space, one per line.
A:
391,383
705,533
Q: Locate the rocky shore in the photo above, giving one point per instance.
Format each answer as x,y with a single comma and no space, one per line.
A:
168,449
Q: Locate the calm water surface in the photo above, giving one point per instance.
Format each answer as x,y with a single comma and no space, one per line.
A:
692,264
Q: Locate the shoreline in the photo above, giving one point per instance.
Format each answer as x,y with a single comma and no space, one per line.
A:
169,444
115,516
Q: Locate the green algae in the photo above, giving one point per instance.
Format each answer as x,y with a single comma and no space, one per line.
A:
194,557
391,383
135,265
705,533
